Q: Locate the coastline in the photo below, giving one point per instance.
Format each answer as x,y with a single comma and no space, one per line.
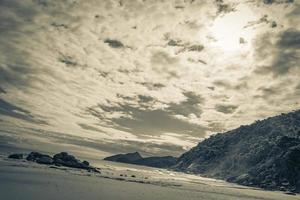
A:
27,180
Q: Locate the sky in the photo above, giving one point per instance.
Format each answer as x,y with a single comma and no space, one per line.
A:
155,76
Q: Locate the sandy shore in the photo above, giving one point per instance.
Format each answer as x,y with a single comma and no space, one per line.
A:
27,181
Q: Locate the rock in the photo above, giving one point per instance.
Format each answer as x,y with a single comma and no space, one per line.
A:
93,169
65,157
290,193
34,156
16,156
86,163
67,160
46,160
60,159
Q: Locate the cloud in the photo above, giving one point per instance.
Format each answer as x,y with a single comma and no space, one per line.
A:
290,39
192,105
8,109
165,64
226,109
286,53
140,117
225,84
163,58
153,122
183,46
224,8
262,20
14,15
69,61
277,1
57,141
153,86
2,90
145,99
114,43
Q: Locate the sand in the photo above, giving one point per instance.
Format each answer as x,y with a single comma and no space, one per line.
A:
21,180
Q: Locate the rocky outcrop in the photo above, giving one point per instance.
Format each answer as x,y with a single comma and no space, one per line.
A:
46,160
60,159
137,159
265,154
40,158
64,159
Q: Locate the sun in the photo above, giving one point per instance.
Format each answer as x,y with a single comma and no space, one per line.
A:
229,32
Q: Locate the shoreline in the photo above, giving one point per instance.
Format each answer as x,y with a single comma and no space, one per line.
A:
17,177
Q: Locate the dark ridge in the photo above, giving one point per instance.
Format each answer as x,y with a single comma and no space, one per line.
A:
137,159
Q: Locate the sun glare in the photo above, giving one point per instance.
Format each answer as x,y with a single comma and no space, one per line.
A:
229,32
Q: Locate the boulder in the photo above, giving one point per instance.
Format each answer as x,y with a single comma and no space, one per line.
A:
68,160
64,157
34,156
46,160
86,163
60,159
16,156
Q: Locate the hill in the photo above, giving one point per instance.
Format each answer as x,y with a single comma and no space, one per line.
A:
137,159
265,154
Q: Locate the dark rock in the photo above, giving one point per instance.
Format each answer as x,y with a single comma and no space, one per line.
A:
290,193
67,160
65,157
34,156
61,159
46,160
16,156
94,170
86,163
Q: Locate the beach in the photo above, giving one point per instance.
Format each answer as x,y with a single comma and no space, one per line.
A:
26,180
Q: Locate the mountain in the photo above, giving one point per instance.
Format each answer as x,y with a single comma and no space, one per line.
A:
137,159
265,154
